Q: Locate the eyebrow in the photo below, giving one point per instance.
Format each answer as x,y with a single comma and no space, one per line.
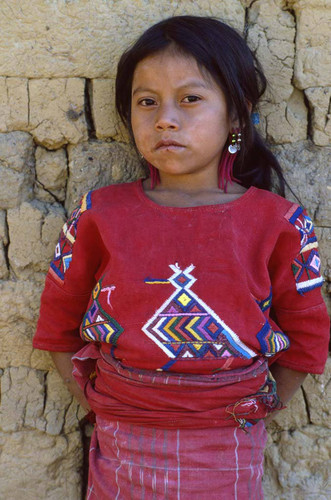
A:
189,84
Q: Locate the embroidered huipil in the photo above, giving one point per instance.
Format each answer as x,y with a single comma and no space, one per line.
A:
187,290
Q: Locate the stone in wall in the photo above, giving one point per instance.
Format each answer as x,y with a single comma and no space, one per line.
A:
270,35
286,122
102,96
3,244
317,389
96,164
68,39
22,398
313,56
19,307
40,360
306,169
324,242
57,114
297,464
35,399
14,104
49,463
61,409
293,417
51,175
320,105
35,465
34,228
16,168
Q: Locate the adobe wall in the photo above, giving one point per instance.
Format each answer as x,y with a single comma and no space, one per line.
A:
59,137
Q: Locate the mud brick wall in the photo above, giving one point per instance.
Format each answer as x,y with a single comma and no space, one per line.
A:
59,137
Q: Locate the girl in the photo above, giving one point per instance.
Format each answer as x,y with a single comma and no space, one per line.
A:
187,285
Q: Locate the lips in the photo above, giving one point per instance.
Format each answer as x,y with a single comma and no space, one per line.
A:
168,144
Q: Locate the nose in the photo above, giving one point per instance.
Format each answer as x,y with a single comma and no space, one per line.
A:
167,118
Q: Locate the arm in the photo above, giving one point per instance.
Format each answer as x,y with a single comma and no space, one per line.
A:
288,382
63,364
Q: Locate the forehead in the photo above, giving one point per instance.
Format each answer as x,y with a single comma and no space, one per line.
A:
169,66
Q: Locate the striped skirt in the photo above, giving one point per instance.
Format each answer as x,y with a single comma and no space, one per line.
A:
130,462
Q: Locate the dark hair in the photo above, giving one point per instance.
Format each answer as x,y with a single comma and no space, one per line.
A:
224,54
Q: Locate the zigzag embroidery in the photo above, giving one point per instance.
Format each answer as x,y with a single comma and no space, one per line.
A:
306,266
97,325
272,342
186,327
63,250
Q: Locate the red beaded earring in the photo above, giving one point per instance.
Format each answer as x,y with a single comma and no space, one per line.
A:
225,168
154,175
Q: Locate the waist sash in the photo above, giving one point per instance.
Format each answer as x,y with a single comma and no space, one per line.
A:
172,400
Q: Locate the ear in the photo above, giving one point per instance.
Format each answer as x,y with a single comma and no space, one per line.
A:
234,120
249,106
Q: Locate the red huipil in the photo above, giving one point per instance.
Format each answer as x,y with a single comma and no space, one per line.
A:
179,301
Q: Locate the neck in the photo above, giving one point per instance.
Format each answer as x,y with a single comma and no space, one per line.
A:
188,183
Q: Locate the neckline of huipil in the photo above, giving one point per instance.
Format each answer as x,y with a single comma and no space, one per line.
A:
221,207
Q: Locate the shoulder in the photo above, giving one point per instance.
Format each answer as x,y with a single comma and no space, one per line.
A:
112,195
279,209
96,206
292,225
98,201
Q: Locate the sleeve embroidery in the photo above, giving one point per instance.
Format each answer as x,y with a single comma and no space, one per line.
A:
63,250
306,265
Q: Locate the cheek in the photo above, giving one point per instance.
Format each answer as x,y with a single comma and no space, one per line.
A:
213,127
137,130
140,127
141,140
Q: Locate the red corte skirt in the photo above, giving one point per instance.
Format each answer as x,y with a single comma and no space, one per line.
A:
134,462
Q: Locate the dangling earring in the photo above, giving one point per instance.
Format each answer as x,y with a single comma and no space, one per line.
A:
225,168
153,172
154,175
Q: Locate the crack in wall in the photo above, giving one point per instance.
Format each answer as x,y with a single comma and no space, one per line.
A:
328,115
246,23
67,181
28,93
288,7
6,246
310,117
45,394
304,394
39,183
88,102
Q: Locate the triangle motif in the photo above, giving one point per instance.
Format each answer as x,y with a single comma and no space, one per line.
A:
185,327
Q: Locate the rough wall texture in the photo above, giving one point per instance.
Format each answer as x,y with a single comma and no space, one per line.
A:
59,136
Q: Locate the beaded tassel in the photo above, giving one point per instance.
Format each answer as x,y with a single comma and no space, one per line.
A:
225,168
154,175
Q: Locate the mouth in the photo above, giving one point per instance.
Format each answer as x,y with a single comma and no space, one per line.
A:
168,145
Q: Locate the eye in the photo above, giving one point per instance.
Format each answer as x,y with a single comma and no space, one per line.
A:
191,98
147,101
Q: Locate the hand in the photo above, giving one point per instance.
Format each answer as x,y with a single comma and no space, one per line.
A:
64,366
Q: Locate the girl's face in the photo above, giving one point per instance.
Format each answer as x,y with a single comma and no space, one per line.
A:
179,116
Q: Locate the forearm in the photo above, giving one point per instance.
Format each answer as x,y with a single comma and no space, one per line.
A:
288,382
63,364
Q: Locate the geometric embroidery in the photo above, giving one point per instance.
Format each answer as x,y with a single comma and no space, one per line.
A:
97,325
63,250
272,342
265,304
306,266
184,327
